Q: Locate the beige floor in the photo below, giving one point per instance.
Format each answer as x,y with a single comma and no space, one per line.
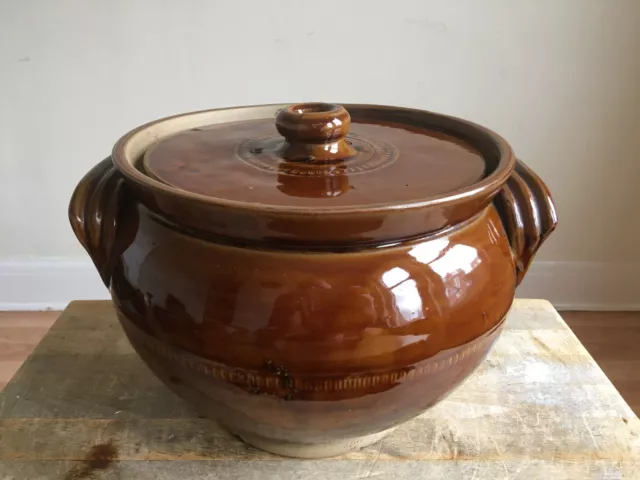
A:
612,338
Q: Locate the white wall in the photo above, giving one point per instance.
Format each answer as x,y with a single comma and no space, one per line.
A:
559,79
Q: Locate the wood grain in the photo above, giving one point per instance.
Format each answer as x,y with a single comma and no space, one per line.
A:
612,338
20,332
538,408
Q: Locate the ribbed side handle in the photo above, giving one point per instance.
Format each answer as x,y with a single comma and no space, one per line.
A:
93,213
528,215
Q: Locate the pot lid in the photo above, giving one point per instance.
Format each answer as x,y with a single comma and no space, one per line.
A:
319,155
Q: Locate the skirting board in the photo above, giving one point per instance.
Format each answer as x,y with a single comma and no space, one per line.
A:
50,284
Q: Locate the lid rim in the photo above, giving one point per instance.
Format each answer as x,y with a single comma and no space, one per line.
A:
488,186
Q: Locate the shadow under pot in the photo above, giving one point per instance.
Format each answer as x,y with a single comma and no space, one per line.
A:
315,281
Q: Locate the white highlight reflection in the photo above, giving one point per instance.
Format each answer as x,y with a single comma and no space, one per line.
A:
394,277
405,293
459,258
408,301
429,251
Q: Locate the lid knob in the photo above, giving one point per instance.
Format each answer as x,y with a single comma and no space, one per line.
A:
314,132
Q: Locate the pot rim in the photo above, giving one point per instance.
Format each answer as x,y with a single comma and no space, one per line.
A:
130,148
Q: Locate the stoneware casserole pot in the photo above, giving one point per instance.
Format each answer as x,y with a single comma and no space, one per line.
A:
311,276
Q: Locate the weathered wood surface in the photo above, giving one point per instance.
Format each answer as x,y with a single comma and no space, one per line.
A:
84,406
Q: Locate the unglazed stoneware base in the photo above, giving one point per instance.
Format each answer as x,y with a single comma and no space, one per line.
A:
311,450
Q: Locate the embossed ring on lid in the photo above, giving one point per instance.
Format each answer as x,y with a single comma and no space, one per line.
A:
314,155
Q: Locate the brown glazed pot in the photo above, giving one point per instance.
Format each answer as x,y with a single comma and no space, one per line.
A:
312,280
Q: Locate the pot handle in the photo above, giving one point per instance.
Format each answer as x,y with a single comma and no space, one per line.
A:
528,215
93,212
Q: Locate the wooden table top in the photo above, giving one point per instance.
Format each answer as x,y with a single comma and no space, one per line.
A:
85,406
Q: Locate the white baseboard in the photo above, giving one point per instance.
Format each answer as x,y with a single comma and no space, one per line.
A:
50,284
584,285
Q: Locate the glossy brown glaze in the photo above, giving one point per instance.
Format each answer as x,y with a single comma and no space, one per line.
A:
401,200
237,161
311,341
323,340
528,215
94,211
315,132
